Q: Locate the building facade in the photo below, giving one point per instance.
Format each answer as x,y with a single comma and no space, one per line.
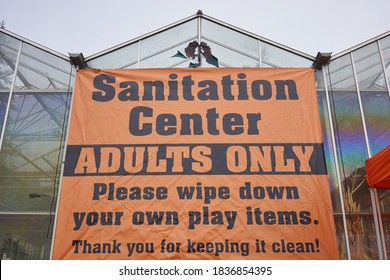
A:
36,87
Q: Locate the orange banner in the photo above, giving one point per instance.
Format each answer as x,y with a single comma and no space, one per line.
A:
195,164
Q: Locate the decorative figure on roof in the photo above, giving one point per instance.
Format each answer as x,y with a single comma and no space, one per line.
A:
195,50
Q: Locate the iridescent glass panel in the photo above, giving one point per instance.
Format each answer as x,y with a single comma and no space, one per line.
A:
352,154
328,149
376,107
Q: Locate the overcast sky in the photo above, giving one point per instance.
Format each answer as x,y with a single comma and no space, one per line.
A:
92,26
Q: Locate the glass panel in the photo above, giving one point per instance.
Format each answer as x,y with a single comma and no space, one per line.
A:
328,149
385,48
166,58
341,74
117,59
330,165
159,42
352,154
376,107
25,237
3,108
42,70
361,231
349,131
8,53
183,64
30,152
368,67
384,202
276,57
226,58
340,235
230,58
229,38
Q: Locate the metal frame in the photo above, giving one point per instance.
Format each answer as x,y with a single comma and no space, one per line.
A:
379,233
383,66
10,95
336,163
372,191
376,192
62,163
16,74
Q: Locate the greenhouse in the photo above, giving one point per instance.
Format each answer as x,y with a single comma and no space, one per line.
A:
36,86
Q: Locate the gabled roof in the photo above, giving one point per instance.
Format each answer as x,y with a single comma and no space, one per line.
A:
185,20
202,16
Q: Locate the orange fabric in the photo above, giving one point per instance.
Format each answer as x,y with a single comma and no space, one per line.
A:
378,169
195,164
